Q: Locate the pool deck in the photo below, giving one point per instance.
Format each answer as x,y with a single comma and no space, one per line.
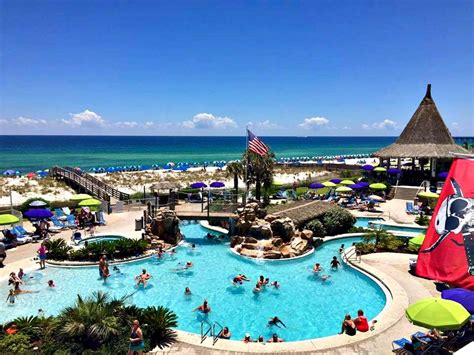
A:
390,268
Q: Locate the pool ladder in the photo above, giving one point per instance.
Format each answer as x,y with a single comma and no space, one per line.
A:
351,255
209,329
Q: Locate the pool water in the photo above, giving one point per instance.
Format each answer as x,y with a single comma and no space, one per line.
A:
374,222
364,221
100,238
309,307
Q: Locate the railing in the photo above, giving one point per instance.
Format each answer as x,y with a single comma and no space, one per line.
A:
208,329
204,334
352,253
89,183
215,335
425,184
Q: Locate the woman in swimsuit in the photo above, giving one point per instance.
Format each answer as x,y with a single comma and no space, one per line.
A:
225,333
136,339
348,326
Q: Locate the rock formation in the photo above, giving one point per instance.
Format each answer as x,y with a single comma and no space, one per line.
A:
165,226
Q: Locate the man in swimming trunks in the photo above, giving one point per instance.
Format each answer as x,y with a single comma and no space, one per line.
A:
275,321
335,263
143,278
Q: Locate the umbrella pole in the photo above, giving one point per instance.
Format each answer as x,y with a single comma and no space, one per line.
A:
11,201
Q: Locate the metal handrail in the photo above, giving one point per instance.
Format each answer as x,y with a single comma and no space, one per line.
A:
215,336
209,330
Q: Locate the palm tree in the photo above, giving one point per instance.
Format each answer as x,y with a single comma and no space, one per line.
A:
157,324
236,170
260,170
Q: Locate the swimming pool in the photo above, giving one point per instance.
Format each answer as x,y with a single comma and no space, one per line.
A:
400,228
309,307
100,238
364,221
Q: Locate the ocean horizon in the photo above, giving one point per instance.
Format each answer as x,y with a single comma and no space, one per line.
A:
36,152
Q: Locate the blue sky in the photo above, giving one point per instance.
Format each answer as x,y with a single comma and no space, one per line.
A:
212,67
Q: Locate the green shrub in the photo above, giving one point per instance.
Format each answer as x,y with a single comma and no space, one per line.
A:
317,228
422,220
57,249
337,220
25,206
355,229
379,240
15,344
114,249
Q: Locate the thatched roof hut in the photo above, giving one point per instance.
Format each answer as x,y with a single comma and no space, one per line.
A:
164,186
425,136
305,211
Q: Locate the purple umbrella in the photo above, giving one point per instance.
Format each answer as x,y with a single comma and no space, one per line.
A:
363,184
394,171
217,184
316,185
355,186
38,214
198,185
368,167
336,181
443,175
462,296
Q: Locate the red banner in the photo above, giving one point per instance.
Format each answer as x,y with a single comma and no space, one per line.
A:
447,253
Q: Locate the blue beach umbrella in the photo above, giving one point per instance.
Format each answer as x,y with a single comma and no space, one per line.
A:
363,184
9,172
110,169
336,181
443,175
38,214
368,167
394,171
462,296
355,186
316,185
217,184
198,185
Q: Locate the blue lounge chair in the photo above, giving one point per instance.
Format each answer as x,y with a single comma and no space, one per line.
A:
399,346
59,212
71,221
20,238
57,223
22,230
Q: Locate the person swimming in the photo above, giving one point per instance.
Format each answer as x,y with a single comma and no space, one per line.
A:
116,269
143,278
317,268
325,277
239,279
204,308
188,265
260,339
257,287
275,321
51,283
247,338
275,284
187,291
341,249
335,263
11,296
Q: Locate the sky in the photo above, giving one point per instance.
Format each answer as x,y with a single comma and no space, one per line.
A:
283,68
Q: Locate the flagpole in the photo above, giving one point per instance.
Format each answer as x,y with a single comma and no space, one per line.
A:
244,200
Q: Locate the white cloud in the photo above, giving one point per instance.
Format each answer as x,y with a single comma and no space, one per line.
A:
148,124
346,127
86,117
313,122
23,121
385,124
127,124
209,121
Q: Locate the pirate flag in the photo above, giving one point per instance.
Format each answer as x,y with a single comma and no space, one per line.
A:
447,253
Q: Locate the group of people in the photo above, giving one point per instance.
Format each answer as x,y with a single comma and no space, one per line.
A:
15,280
274,321
264,281
360,323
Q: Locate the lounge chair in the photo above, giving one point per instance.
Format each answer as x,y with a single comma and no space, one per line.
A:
20,238
71,221
67,211
401,346
59,212
76,237
21,232
57,223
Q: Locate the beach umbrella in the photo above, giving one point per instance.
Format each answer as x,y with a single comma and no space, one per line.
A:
379,169
80,197
343,189
378,186
417,241
336,181
363,184
38,214
217,184
438,313
7,218
110,169
368,167
355,186
461,296
443,175
30,175
394,171
198,185
329,184
90,202
316,185
9,172
347,182
428,194
375,198
43,174
38,203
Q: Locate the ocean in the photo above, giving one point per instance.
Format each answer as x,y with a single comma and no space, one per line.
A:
31,153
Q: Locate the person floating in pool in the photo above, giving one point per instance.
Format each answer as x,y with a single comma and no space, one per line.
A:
51,284
143,278
335,263
341,249
275,284
257,287
204,308
275,339
275,321
187,291
317,268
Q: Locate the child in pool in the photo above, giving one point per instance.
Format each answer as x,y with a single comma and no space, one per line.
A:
11,296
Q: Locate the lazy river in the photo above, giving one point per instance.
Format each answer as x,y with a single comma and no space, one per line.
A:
309,307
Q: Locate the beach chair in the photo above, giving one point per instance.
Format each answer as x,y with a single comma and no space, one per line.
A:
76,237
67,211
57,223
100,218
71,221
58,212
409,207
398,346
21,232
20,238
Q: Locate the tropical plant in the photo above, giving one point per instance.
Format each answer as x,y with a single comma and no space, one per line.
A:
260,170
15,344
26,205
317,228
422,220
337,220
236,170
382,240
118,249
158,323
57,249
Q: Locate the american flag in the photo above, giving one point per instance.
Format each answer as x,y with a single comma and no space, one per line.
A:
256,145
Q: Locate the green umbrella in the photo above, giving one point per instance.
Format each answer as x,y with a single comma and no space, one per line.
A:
438,313
428,194
416,242
80,197
347,182
380,169
329,184
378,186
343,189
6,219
90,202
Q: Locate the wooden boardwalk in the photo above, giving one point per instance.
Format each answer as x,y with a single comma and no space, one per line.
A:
82,181
191,215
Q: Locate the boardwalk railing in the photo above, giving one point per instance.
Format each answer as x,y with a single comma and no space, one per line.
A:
88,183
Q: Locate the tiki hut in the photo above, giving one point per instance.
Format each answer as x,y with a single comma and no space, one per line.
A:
304,211
425,136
